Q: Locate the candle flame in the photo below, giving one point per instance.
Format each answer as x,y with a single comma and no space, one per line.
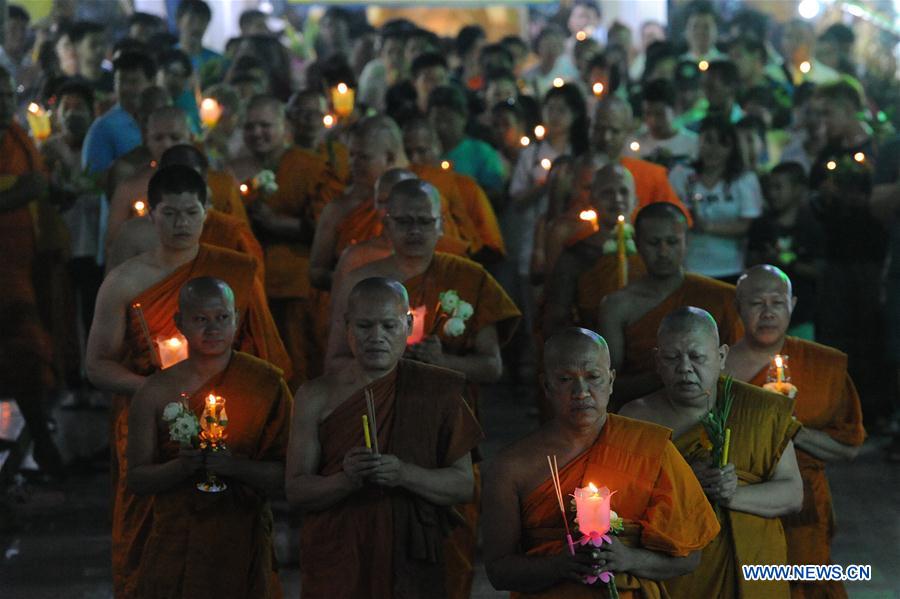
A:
546,164
581,36
859,157
140,207
524,141
593,488
34,108
635,146
208,104
174,342
558,82
342,88
805,67
328,121
597,88
245,189
831,165
445,164
211,400
703,65
588,215
621,218
779,361
539,131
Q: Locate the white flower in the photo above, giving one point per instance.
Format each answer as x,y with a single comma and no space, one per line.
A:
184,428
449,300
454,327
172,411
464,310
630,247
265,180
610,246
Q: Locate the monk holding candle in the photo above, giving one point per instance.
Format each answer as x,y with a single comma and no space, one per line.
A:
305,111
760,480
219,229
469,345
667,520
375,147
827,406
136,304
200,544
374,524
630,317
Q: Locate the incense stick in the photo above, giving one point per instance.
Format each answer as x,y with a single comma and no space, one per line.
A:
370,408
554,474
154,358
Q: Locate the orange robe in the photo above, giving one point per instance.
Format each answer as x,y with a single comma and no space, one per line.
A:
379,542
305,184
651,184
598,281
227,231
492,306
714,296
826,401
220,545
337,156
225,196
656,493
26,351
256,335
761,427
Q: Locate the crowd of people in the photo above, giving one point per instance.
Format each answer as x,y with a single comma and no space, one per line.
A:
338,220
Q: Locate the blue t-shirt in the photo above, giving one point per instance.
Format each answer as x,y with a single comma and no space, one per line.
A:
478,160
112,135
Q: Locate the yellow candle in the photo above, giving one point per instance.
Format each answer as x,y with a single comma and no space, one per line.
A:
343,98
779,369
365,420
39,121
621,252
210,112
539,132
703,65
725,449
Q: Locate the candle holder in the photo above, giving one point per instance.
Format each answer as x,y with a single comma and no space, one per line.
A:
419,314
343,98
778,378
590,216
171,351
210,112
38,121
592,506
212,438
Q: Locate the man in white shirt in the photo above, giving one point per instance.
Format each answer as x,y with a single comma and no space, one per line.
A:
659,140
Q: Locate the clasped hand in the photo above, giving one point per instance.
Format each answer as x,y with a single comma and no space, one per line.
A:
588,560
719,484
429,350
362,466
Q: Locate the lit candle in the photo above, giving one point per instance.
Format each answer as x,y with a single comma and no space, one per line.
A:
172,350
592,508
581,36
245,189
778,378
445,165
539,132
328,121
39,121
831,165
525,141
859,157
591,217
418,328
210,112
597,88
703,65
621,253
779,369
805,67
635,146
342,98
546,163
140,208
213,420
558,82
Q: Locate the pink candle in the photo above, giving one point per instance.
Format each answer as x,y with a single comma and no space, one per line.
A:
418,329
592,505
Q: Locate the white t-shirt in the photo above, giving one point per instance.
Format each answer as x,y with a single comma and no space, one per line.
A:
682,147
708,254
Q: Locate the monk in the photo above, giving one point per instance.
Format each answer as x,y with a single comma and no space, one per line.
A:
285,221
827,406
136,305
373,522
666,518
201,544
151,99
587,271
26,351
470,207
306,111
375,147
220,229
630,317
413,224
760,480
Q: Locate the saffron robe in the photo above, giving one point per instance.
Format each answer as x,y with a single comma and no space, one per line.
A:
761,426
379,542
656,493
714,296
826,401
219,545
256,335
225,195
651,184
337,156
229,232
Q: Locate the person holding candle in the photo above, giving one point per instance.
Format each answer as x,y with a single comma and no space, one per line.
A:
373,524
667,521
761,480
136,303
827,405
285,222
629,318
305,112
217,547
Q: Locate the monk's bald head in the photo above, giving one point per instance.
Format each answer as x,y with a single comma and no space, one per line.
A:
763,277
206,316
689,358
199,290
689,320
186,155
379,130
660,233
414,191
574,345
268,103
765,304
374,292
612,193
388,180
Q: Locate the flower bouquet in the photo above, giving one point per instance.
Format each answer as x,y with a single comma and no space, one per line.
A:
184,428
262,183
453,312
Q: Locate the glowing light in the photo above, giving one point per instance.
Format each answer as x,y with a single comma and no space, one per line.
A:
140,208
779,361
210,400
581,36
587,215
245,189
546,163
342,88
558,82
805,67
525,141
621,218
809,9
328,121
597,88
593,488
859,157
34,108
445,164
831,165
539,132
210,112
635,146
703,65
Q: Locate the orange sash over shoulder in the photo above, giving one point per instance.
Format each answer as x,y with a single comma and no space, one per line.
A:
225,195
599,281
651,184
656,494
761,426
714,296
826,401
257,336
220,545
381,543
226,231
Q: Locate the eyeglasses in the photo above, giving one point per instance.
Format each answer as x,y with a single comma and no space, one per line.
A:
407,222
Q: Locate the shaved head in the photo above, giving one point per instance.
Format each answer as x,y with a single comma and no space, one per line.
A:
390,178
665,211
198,290
187,155
572,345
763,276
377,291
166,127
162,114
612,193
686,320
415,188
267,102
381,130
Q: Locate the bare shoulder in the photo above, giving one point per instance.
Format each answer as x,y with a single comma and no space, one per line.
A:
162,388
129,278
648,409
517,457
311,398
